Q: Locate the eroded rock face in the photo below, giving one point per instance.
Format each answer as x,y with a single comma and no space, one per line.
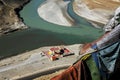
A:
9,17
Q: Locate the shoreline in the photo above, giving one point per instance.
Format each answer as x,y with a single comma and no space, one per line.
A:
57,12
16,23
31,63
95,14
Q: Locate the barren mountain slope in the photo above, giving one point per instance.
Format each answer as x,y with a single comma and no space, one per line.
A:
9,17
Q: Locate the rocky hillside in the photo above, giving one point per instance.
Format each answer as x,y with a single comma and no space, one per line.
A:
9,17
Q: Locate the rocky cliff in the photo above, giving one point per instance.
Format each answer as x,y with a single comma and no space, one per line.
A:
9,15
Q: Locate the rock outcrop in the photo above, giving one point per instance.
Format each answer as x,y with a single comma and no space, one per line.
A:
9,15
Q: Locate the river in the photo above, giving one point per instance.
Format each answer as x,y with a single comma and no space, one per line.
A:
42,33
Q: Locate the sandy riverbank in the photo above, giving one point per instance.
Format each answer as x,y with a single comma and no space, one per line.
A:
33,62
99,11
57,10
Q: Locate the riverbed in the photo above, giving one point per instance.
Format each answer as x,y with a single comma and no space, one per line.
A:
42,33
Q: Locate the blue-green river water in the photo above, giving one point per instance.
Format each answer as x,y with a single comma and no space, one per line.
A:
42,33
